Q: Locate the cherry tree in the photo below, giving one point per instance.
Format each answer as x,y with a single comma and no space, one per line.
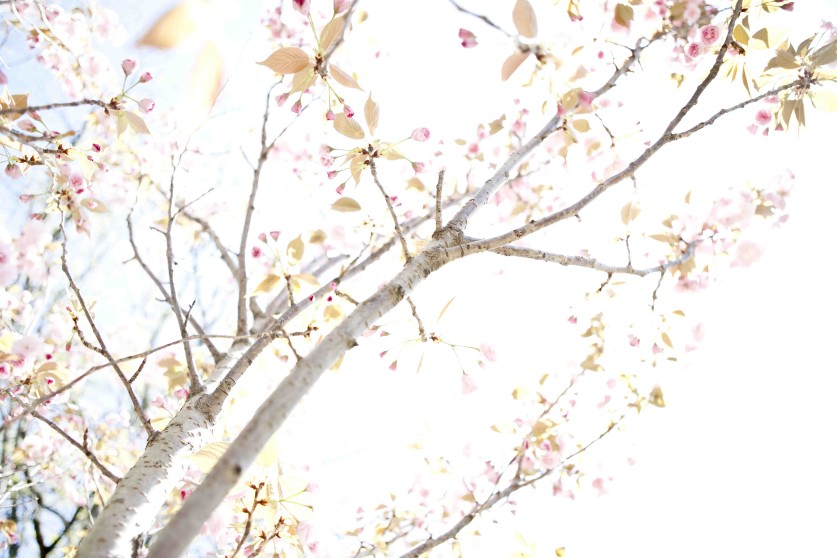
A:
179,275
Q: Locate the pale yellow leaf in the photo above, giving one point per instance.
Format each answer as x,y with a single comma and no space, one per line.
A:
415,184
512,63
629,212
342,77
348,127
303,80
287,60
172,28
825,55
624,15
266,285
206,79
94,205
740,35
207,456
581,125
136,123
357,166
372,112
296,248
824,99
330,32
524,19
345,205
445,308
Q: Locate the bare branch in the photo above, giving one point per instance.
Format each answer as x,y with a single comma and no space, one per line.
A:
592,263
51,106
83,448
399,233
483,18
515,485
195,381
102,347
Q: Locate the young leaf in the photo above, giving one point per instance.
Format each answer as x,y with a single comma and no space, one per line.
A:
824,100
348,127
288,60
624,15
296,248
303,80
512,63
371,112
825,55
357,166
524,19
94,205
581,125
266,285
629,212
172,28
330,32
342,77
345,205
135,122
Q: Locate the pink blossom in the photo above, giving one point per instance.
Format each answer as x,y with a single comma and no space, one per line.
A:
97,148
341,5
633,340
129,65
146,77
420,134
29,347
468,384
747,254
329,115
262,237
598,484
418,167
26,125
256,252
693,50
347,110
302,6
13,171
296,108
280,99
3,78
340,189
763,117
331,174
691,13
469,40
146,105
274,235
709,34
488,352
26,198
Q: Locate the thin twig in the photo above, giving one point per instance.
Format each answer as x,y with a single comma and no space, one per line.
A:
592,263
483,18
513,487
195,381
81,447
50,106
102,347
388,201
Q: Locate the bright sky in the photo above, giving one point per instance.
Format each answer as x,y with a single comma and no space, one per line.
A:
741,462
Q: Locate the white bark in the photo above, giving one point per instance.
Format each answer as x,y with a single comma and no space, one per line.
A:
173,540
141,493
